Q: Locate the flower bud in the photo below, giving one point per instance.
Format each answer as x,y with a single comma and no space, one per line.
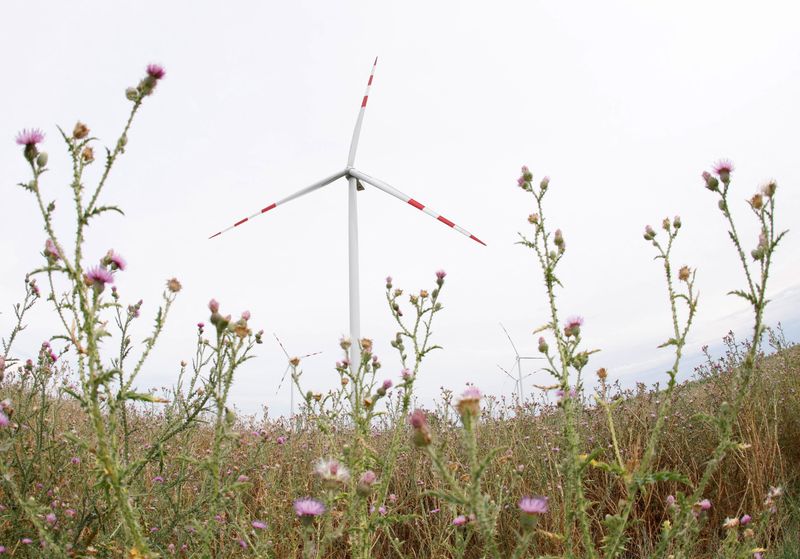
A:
545,183
41,159
676,223
213,306
132,94
649,233
711,182
542,345
533,219
665,224
757,201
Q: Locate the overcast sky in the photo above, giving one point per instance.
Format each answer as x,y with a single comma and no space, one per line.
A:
622,103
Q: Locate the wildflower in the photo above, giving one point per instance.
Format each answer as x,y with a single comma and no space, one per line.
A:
155,71
406,374
258,525
50,518
114,260
422,434
711,182
388,282
4,421
434,511
469,403
366,345
530,508
440,274
331,471
731,523
745,520
280,440
213,306
345,343
365,483
242,479
70,513
533,505
684,273
174,286
98,277
158,479
80,131
30,137
246,315
649,233
242,543
544,183
26,541
525,178
757,201
382,510
573,326
671,501
769,189
723,169
51,251
701,506
307,508
392,498
459,520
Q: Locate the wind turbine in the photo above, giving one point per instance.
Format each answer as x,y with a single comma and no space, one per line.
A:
355,179
518,364
289,366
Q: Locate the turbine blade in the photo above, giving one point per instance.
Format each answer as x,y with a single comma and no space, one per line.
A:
301,192
409,200
357,131
510,340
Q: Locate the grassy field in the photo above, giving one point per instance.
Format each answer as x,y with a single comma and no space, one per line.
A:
270,465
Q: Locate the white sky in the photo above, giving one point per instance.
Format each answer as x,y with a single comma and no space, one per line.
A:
622,103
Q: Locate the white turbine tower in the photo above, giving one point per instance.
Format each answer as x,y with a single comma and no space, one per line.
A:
518,364
355,179
285,372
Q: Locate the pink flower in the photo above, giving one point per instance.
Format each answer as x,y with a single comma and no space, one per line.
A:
51,251
723,167
26,541
4,421
30,137
332,471
70,513
258,525
471,393
156,71
705,504
75,460
158,479
406,374
573,326
382,510
246,315
745,520
308,507
280,440
50,518
440,274
213,305
114,260
459,520
242,479
418,419
99,276
387,384
533,505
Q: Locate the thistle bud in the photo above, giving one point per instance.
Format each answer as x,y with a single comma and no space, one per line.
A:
665,224
132,94
533,219
542,345
756,202
545,183
87,154
649,233
676,223
711,182
41,159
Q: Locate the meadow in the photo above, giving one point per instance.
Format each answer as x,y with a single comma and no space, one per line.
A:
90,466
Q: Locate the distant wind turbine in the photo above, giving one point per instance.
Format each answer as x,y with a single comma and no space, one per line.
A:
285,372
355,179
518,364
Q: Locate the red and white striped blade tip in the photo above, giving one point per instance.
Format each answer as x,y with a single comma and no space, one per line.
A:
244,220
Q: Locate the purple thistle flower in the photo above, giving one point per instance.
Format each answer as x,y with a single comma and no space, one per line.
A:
440,274
213,306
281,439
2,549
26,541
705,504
459,520
533,505
100,276
387,384
745,520
4,421
308,507
156,71
158,479
115,261
723,167
246,315
471,393
51,251
30,137
50,518
258,525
